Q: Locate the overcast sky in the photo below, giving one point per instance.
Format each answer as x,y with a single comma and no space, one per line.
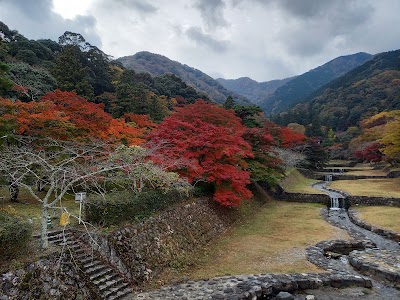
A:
261,39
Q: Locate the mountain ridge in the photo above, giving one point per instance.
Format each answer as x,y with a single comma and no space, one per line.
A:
157,64
255,91
370,88
298,89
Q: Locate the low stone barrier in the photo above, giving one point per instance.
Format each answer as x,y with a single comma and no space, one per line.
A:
301,197
258,286
389,234
376,262
373,201
317,254
393,174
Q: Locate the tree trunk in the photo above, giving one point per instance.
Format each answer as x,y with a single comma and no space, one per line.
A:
43,237
14,191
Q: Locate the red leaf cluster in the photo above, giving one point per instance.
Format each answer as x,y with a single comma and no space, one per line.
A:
370,153
207,142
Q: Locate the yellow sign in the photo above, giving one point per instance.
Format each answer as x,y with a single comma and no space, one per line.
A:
64,220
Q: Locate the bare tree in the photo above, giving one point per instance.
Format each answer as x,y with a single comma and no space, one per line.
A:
290,157
65,166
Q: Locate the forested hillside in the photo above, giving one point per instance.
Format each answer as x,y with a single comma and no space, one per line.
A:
298,89
255,91
369,89
156,64
29,69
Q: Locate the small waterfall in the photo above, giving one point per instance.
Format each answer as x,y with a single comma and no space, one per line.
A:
334,203
328,177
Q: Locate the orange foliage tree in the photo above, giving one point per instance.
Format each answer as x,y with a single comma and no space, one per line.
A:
65,115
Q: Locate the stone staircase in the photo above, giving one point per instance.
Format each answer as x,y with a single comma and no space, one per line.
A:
106,281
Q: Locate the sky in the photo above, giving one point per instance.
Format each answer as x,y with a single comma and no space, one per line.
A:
260,39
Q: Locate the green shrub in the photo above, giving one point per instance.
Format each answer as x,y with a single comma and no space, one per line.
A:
14,235
126,206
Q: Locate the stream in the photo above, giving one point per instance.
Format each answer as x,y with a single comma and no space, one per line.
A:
340,218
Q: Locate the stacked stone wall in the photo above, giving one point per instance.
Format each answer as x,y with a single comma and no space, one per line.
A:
353,216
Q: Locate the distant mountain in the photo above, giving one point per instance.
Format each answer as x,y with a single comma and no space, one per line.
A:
156,64
368,89
298,89
255,91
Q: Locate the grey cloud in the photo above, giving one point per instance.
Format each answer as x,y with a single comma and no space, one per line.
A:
35,20
197,35
212,12
139,5
317,23
307,8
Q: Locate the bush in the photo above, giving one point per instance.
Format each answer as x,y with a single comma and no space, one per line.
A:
126,206
14,235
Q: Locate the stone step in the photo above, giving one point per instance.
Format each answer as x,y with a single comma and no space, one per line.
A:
95,269
91,264
60,239
85,258
81,254
110,283
71,245
114,290
100,274
105,278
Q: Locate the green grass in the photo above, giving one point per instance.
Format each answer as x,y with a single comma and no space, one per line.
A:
386,187
381,216
29,208
273,240
295,182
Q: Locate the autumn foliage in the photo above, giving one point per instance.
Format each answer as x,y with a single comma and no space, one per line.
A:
291,138
207,142
65,115
380,138
370,153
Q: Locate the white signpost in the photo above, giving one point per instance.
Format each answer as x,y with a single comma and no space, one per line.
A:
80,198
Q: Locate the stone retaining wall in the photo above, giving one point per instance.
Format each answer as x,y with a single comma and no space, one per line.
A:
373,262
373,201
393,174
301,197
258,286
168,239
42,280
353,216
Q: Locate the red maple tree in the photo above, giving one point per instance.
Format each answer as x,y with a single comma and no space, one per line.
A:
208,143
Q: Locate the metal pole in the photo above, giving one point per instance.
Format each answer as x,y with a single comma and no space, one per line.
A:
80,208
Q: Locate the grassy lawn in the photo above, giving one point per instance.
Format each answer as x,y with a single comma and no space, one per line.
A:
367,173
295,182
272,241
338,162
30,208
381,216
387,187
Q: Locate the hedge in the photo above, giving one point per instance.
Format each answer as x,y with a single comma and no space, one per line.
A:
14,235
126,206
